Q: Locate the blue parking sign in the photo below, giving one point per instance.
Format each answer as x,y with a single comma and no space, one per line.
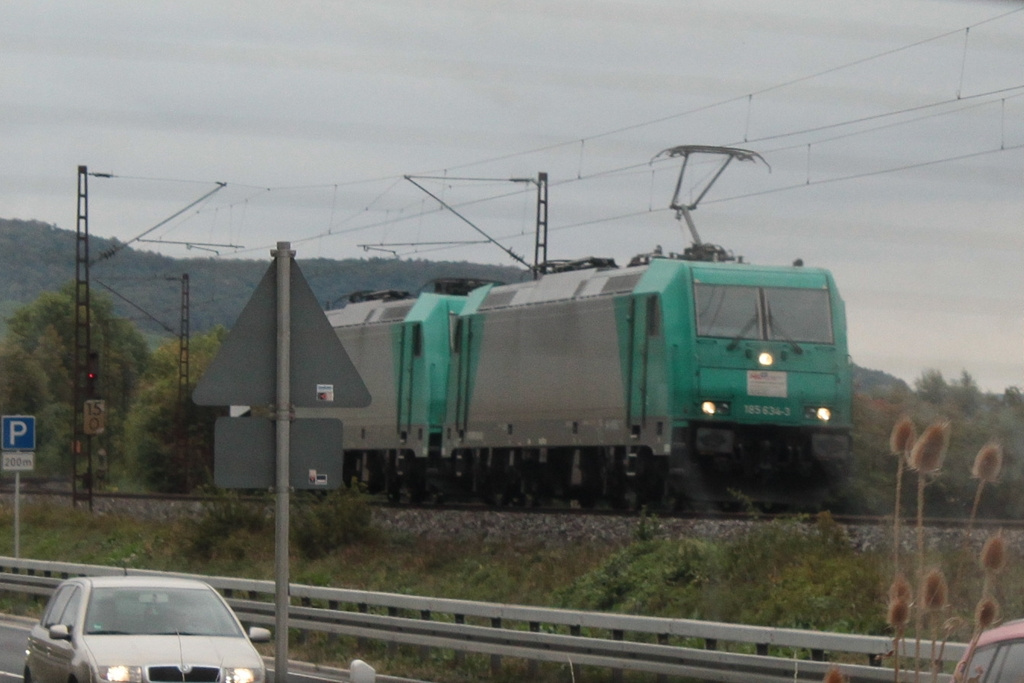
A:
19,432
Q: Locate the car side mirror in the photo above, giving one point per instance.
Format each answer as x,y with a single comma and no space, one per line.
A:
59,632
258,634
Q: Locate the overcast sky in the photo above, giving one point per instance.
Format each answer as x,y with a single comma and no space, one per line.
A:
894,132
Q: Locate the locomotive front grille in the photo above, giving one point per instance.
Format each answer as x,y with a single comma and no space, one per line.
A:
174,674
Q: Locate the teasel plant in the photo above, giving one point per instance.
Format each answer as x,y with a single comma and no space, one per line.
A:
926,458
986,613
834,675
934,603
901,440
988,465
898,616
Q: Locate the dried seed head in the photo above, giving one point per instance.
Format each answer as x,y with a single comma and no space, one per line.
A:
902,437
835,676
929,450
899,614
993,554
934,590
988,463
900,589
986,613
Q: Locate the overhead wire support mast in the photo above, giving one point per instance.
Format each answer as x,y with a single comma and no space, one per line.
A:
81,443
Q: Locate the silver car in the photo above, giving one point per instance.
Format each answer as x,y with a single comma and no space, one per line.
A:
135,629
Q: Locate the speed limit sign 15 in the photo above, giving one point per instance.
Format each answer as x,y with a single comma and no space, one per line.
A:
94,417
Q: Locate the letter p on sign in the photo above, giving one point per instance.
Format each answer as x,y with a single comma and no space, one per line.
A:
19,432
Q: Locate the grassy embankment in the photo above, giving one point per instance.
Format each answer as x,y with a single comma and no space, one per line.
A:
786,574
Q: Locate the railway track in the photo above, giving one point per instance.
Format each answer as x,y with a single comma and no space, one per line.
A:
108,500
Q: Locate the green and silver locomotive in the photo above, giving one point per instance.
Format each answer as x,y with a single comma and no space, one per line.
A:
673,380
683,379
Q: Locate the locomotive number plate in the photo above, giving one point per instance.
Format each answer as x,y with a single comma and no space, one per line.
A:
777,411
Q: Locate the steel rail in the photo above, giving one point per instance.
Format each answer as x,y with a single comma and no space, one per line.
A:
984,523
575,638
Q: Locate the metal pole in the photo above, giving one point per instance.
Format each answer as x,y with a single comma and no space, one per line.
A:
17,513
283,254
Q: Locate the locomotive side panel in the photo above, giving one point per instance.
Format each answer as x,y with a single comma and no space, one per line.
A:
371,349
546,375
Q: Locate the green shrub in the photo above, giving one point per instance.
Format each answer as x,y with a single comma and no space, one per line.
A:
322,523
228,526
659,577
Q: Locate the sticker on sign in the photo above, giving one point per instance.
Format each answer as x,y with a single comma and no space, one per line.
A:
19,462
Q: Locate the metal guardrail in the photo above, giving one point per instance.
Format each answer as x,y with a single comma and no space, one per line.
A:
668,647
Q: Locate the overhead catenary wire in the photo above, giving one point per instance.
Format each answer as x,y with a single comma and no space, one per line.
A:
121,245
581,176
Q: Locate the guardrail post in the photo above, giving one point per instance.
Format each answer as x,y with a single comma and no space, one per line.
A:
533,670
762,649
662,640
425,650
332,638
363,609
617,673
304,634
460,656
495,659
577,672
710,644
392,645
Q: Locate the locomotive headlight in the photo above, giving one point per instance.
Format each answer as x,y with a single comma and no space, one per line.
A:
715,407
765,358
818,413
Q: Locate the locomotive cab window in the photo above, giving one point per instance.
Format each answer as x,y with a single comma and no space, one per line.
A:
763,313
800,315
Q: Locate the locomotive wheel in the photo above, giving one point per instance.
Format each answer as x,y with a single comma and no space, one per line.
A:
651,479
416,482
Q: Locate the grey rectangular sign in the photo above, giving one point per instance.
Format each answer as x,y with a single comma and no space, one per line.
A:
244,453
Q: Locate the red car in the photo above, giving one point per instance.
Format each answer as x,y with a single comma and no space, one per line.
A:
998,657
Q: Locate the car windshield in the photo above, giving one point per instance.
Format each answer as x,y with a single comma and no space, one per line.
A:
777,313
158,611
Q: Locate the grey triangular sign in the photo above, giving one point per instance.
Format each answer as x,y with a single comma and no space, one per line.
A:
244,372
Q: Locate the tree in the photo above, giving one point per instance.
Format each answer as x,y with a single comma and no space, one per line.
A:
154,420
931,386
37,364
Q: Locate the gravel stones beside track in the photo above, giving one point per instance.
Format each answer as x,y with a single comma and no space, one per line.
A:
501,526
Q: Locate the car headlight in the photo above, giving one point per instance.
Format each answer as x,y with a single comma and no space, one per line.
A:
242,675
121,674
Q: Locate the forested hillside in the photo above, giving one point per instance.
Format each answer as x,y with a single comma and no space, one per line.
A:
145,287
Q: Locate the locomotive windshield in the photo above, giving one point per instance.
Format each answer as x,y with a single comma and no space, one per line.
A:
763,313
